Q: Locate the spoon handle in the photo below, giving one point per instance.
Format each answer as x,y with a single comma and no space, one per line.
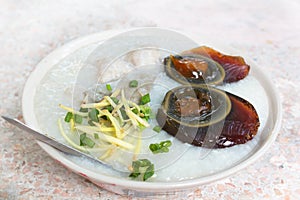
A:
48,140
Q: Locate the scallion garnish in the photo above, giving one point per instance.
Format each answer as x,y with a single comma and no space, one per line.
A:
123,113
115,100
83,110
145,99
96,136
143,168
108,87
110,108
93,115
162,147
133,83
82,136
78,119
145,112
68,117
86,141
135,111
157,129
91,123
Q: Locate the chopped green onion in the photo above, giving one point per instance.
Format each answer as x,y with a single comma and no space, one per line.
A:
149,172
135,111
123,113
110,108
108,87
154,147
143,168
145,99
78,119
93,115
133,83
96,136
86,141
115,100
146,112
85,110
68,117
157,129
134,174
91,123
140,163
162,147
82,136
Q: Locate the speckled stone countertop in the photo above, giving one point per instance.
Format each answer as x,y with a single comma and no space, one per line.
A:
266,31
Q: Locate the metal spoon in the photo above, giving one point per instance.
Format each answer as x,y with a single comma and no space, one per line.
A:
50,141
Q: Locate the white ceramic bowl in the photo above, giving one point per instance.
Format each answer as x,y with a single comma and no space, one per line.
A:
60,58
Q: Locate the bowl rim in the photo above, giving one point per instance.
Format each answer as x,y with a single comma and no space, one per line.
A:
58,54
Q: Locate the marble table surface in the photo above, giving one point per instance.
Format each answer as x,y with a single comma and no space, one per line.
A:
266,31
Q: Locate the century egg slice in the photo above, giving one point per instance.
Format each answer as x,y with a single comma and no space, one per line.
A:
197,106
208,117
235,66
194,69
